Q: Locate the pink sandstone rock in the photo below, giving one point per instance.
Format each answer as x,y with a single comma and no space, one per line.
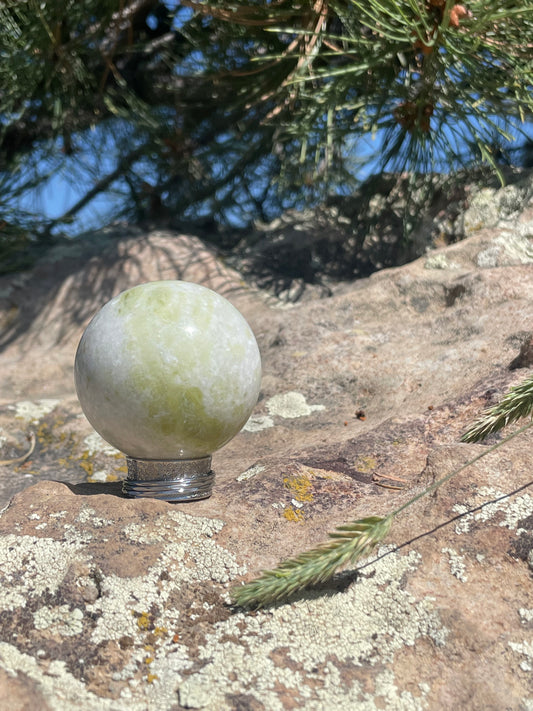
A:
110,603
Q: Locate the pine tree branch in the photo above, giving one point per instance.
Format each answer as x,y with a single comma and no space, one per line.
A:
126,162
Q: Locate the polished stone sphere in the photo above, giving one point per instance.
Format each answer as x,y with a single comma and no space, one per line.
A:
168,370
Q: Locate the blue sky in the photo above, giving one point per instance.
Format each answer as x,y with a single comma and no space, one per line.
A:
60,194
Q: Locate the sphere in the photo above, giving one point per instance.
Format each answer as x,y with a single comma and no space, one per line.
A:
168,370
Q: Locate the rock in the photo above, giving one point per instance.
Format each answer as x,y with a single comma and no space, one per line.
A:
390,220
113,603
524,359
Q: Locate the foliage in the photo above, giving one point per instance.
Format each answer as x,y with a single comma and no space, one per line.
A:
348,544
115,95
357,539
517,403
228,111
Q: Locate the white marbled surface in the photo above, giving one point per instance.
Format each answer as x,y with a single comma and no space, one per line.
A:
168,370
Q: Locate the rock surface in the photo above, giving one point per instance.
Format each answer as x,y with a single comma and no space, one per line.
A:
390,220
110,603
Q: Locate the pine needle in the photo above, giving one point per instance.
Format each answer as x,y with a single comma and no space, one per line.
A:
517,403
348,544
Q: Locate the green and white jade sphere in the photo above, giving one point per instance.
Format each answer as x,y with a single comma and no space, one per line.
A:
168,372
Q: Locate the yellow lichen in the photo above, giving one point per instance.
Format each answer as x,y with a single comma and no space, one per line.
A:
44,436
143,621
300,487
87,466
366,464
295,515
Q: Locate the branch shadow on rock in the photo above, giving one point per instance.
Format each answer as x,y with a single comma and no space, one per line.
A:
52,303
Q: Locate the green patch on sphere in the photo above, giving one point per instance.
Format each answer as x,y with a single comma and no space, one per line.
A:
150,299
182,416
159,301
168,360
